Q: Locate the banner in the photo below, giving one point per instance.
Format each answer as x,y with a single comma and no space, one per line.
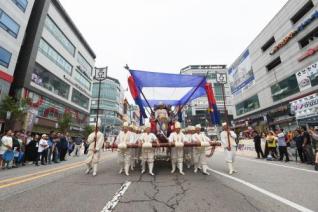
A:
246,147
241,73
303,80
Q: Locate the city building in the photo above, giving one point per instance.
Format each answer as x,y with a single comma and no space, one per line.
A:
197,112
14,18
54,69
279,66
110,105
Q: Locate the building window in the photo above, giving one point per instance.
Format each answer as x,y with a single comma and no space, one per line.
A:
268,44
273,64
308,6
84,65
49,81
55,57
80,99
21,4
285,88
5,57
218,91
8,24
82,80
310,37
248,105
59,35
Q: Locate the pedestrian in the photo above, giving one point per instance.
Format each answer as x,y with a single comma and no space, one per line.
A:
78,142
16,148
32,146
43,149
299,144
55,147
63,147
177,138
282,145
314,134
6,150
229,145
50,149
122,140
95,141
148,152
257,144
271,143
307,147
70,144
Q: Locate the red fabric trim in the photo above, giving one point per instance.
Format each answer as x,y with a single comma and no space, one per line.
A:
6,77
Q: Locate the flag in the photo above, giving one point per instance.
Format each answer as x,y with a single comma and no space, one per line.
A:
214,113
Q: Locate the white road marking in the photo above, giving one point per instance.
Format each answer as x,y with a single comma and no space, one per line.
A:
112,204
265,192
274,164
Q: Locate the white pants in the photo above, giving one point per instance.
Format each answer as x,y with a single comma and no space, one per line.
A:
199,157
77,149
230,155
177,154
123,157
148,154
92,158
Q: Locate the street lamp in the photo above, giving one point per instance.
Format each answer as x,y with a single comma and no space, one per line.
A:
100,75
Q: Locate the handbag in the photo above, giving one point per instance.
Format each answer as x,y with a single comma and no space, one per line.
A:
8,155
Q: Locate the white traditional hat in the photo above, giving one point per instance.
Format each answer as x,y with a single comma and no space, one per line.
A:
191,128
198,126
125,124
177,125
224,124
44,135
147,125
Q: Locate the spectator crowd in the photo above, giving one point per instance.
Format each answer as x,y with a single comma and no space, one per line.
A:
280,145
19,148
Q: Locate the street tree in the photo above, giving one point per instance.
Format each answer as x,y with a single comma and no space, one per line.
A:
64,122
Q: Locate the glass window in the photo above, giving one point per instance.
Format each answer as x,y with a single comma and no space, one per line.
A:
302,12
59,35
5,57
82,80
109,89
22,4
84,65
311,37
47,80
273,64
248,105
268,44
54,56
285,88
218,92
80,99
8,24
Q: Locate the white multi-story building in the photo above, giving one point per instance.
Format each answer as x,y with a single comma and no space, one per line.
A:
14,17
55,69
199,106
279,66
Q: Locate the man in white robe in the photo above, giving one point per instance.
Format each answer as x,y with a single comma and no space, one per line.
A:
177,138
199,157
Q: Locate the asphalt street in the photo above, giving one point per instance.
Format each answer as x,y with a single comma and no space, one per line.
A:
259,186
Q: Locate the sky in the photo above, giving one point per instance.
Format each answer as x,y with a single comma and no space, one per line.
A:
167,35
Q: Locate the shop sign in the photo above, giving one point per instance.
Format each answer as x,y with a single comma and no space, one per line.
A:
292,34
308,53
306,76
306,106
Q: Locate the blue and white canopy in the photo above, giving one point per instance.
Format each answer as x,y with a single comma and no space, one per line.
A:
169,89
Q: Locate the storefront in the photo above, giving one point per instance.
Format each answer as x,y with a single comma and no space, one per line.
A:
306,110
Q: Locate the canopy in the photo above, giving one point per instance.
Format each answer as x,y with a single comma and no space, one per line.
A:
169,89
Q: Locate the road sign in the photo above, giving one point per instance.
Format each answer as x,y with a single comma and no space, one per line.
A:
101,73
221,78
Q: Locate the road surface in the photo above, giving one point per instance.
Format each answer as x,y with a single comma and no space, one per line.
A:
259,186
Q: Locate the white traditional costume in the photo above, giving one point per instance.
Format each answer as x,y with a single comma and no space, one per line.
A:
177,151
199,157
93,155
147,152
188,151
122,140
133,151
226,136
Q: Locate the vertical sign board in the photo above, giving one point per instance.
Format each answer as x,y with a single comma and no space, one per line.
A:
241,73
308,77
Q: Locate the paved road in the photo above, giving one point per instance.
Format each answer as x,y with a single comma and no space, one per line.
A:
259,186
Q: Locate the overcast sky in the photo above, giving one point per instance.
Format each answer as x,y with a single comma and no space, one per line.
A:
167,35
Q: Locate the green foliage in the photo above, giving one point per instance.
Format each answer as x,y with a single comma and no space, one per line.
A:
88,130
65,122
17,108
